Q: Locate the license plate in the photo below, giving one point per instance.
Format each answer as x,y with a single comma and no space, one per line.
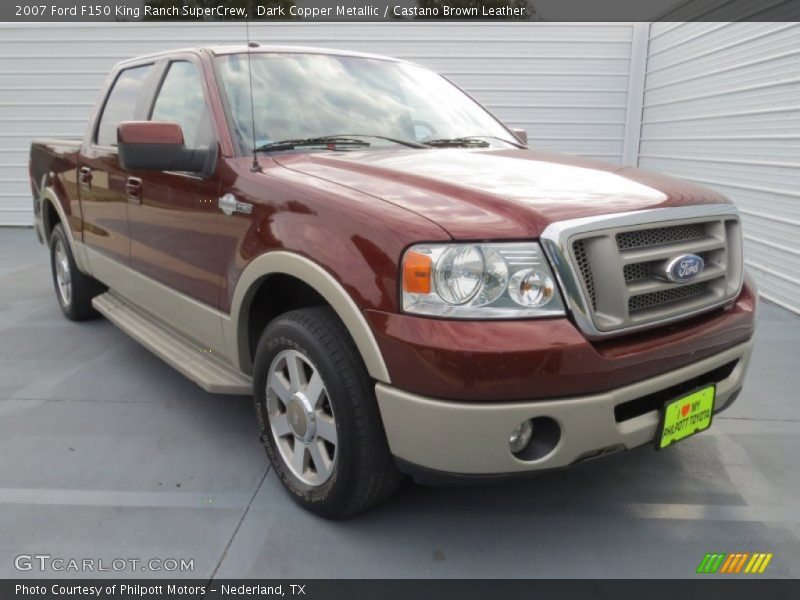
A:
685,416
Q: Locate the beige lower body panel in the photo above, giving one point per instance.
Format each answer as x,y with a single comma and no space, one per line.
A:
212,373
472,438
194,320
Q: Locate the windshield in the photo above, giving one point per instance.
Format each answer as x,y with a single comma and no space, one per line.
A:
316,95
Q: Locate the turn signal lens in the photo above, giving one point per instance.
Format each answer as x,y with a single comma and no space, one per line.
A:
417,268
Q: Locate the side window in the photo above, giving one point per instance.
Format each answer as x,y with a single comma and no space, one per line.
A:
121,103
180,100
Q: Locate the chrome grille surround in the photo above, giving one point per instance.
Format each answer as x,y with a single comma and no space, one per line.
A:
624,252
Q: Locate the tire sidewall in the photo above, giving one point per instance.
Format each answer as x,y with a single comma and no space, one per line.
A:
58,236
290,335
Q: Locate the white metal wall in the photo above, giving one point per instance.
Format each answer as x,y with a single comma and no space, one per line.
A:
567,84
730,10
722,108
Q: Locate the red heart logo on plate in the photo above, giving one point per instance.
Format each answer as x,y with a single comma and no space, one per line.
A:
685,409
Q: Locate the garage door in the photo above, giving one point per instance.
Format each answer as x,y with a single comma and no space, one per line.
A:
722,108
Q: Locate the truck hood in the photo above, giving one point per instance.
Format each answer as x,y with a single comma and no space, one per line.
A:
497,194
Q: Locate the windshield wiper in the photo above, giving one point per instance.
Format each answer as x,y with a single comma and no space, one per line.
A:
470,141
408,143
494,137
458,142
324,141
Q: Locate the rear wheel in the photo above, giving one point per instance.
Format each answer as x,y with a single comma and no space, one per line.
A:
319,419
74,290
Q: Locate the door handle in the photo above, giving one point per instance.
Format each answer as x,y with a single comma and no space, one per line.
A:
133,188
85,176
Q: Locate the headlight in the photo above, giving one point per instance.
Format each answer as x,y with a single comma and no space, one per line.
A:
479,281
460,274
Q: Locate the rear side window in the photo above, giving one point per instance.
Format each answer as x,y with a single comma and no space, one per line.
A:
180,100
121,103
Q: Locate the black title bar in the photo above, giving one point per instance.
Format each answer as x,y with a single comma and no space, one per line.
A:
708,588
399,10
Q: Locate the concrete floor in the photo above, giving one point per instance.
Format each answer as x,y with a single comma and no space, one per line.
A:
106,452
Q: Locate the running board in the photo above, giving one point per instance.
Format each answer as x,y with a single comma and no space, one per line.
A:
209,372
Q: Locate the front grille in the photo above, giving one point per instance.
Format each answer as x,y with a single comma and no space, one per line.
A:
622,270
643,238
645,301
636,271
582,259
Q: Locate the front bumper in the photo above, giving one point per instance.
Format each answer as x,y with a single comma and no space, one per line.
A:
472,438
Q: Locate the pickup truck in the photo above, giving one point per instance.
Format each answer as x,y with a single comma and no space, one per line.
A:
401,283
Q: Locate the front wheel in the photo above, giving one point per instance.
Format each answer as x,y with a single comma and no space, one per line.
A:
319,419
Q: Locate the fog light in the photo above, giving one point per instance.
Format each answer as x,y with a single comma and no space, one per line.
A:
520,437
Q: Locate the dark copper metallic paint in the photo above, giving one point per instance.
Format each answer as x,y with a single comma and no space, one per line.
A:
547,358
55,161
148,132
354,236
468,212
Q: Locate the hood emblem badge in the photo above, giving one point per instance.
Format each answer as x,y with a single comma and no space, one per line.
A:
228,204
684,268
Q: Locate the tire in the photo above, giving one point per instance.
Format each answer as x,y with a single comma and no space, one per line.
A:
74,290
345,466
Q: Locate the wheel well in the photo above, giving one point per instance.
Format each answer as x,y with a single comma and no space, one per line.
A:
50,219
275,295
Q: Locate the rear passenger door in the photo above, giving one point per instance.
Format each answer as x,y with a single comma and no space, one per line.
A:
104,202
174,221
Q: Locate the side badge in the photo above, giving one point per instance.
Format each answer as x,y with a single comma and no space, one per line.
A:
228,204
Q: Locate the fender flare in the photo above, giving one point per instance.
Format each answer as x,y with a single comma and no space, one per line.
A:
310,273
48,195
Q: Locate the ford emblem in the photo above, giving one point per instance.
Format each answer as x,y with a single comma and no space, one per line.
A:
684,268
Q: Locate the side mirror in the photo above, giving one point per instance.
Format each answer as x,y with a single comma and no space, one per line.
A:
157,146
521,134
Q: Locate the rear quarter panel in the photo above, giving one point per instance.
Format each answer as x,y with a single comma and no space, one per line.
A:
54,164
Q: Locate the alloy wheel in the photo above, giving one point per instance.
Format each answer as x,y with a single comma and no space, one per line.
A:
63,274
301,417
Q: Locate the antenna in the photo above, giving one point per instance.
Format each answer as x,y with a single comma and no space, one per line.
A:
255,167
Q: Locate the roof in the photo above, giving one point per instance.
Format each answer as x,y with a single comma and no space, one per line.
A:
261,49
221,50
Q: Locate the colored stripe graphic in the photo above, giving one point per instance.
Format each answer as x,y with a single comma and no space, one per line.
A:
752,563
701,568
728,565
721,562
734,563
764,564
742,561
711,562
758,562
